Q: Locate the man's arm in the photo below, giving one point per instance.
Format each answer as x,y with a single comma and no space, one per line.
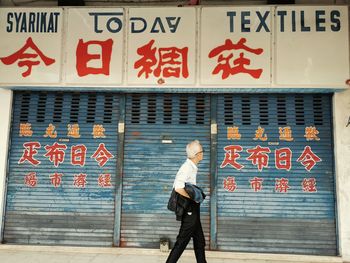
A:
182,192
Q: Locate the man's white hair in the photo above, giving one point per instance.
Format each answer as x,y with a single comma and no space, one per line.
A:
193,148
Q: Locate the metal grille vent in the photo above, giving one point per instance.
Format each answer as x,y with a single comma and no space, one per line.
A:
135,109
74,110
152,109
299,110
246,119
25,107
90,117
264,110
228,109
57,113
281,110
200,109
108,109
167,107
318,113
183,110
40,114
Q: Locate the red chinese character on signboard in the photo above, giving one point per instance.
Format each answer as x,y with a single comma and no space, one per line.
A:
231,155
78,155
311,133
170,62
80,180
56,153
281,185
102,155
56,179
230,184
84,57
259,156
233,133
225,61
309,185
259,134
30,179
283,159
256,184
24,59
308,158
29,152
25,130
104,180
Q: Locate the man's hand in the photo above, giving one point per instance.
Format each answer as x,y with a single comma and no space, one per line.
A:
182,192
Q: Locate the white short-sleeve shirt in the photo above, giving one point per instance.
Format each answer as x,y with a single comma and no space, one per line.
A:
186,174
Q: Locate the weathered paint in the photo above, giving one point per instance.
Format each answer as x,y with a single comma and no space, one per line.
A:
65,215
341,111
5,120
164,124
269,221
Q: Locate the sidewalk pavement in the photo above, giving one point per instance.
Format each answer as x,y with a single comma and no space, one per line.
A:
54,254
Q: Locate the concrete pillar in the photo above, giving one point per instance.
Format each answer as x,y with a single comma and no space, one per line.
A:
5,121
341,119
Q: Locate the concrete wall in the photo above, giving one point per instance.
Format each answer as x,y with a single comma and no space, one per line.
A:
5,119
342,162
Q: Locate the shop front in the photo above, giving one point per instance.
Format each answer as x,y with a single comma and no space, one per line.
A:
101,120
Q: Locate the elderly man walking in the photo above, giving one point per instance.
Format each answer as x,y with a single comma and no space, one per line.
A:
191,226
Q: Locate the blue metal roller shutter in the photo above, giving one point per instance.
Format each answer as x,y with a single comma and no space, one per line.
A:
269,220
62,215
158,127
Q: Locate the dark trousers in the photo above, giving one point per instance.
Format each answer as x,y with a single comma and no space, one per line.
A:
190,227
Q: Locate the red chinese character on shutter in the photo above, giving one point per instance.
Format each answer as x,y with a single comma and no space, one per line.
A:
56,153
230,184
29,152
259,156
80,180
231,155
78,154
104,180
281,185
56,179
309,185
283,159
308,158
102,155
30,179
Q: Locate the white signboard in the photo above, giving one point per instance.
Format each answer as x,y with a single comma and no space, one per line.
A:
190,47
95,46
311,46
161,46
30,46
235,46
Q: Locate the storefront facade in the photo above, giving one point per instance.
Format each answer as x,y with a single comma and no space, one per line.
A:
95,130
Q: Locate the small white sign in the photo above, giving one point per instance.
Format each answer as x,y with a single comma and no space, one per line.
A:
161,46
30,46
95,46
